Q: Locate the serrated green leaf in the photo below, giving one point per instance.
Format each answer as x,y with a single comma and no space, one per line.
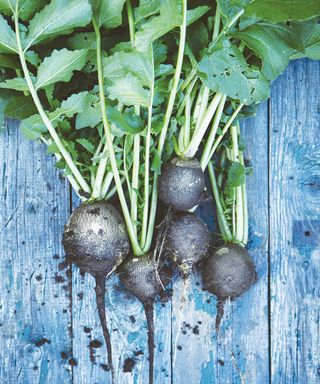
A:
76,103
7,7
60,66
270,45
91,117
276,11
33,127
8,42
129,90
59,17
108,13
87,145
170,17
20,107
226,70
156,162
18,84
126,122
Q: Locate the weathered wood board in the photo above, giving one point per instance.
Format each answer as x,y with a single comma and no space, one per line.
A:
49,328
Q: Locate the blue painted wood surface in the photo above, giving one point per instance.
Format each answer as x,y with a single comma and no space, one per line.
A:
48,314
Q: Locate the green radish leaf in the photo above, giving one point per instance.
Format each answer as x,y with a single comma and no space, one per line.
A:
129,90
126,122
27,8
52,148
33,58
311,43
7,7
108,13
276,11
270,45
76,103
156,162
8,42
229,8
87,145
82,40
20,107
146,9
236,176
91,116
225,70
59,17
196,13
60,66
9,61
136,63
170,17
18,84
33,127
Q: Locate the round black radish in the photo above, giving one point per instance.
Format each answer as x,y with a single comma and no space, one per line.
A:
95,238
141,277
181,183
228,273
188,240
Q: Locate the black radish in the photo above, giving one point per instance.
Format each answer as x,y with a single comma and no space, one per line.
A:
145,280
181,183
96,241
227,273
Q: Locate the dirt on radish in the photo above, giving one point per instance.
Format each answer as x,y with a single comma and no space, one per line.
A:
96,241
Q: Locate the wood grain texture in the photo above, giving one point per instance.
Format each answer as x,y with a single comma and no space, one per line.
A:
295,225
34,300
41,300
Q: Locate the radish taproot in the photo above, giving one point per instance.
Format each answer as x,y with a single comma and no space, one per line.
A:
145,280
96,241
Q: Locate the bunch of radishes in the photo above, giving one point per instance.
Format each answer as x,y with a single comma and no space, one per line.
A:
137,103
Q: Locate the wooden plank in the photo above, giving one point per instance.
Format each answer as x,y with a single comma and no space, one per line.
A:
126,320
295,225
34,301
202,358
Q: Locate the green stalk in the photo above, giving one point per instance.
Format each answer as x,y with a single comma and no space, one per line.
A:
134,241
224,130
131,23
145,216
217,21
186,130
222,221
206,152
244,203
106,185
64,153
238,190
172,96
202,128
135,180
